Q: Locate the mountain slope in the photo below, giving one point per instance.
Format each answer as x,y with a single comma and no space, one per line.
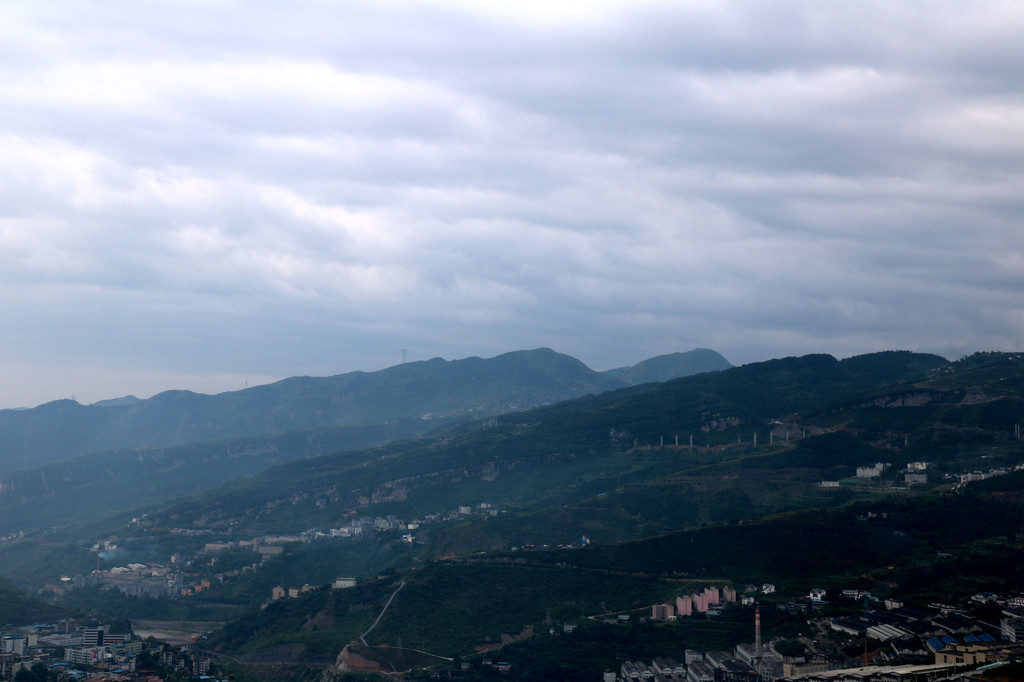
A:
557,454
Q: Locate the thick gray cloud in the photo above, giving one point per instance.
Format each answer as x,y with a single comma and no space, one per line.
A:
196,195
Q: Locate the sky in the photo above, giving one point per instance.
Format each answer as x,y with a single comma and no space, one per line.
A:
211,195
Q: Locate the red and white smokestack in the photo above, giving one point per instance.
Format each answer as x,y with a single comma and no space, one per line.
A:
757,632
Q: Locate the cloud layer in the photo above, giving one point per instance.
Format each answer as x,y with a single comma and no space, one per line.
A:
195,195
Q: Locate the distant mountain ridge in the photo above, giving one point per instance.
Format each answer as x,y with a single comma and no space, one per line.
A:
671,366
428,390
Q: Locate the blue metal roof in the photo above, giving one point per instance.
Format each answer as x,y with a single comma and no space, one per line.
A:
940,643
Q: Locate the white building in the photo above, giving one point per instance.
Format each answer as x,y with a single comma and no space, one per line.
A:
872,471
15,644
85,655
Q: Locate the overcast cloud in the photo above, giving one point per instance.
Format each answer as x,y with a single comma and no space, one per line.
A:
203,194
